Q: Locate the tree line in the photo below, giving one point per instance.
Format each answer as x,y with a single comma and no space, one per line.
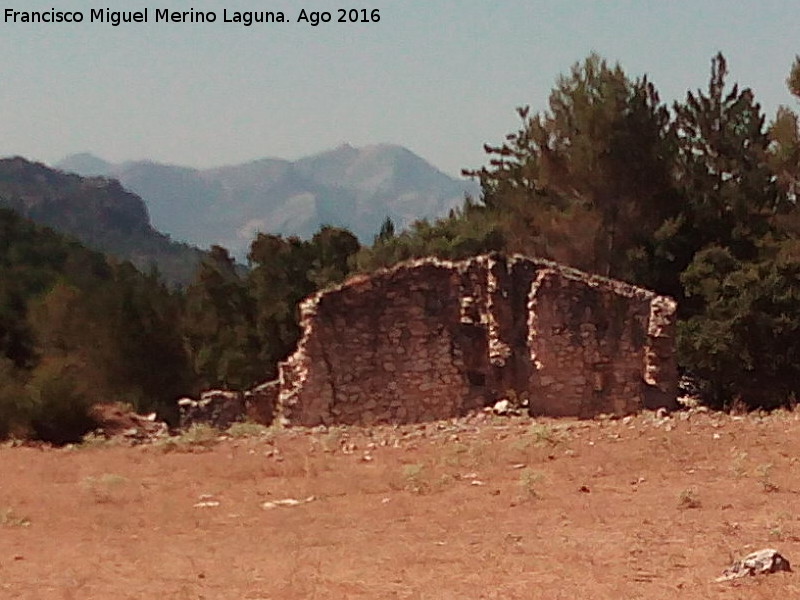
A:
698,200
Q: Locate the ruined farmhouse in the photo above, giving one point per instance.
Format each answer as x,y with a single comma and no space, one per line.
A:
432,339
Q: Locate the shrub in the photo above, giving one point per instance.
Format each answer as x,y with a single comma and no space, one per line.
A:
15,403
60,409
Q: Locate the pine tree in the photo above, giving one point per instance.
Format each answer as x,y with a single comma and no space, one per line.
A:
592,172
279,278
784,133
740,337
723,168
219,325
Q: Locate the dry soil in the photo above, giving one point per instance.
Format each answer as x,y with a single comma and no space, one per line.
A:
484,507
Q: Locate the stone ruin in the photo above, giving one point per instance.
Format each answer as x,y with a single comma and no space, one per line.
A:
223,408
431,339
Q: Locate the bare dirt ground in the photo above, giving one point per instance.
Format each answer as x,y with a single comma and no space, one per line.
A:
479,508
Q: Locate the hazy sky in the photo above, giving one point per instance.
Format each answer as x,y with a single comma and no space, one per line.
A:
440,77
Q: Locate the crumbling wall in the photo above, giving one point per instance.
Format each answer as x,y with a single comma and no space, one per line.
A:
218,408
388,348
588,340
259,402
433,339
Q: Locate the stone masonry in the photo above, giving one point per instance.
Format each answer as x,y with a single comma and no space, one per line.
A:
431,339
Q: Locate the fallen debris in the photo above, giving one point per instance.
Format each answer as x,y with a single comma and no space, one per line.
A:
758,563
505,408
115,421
287,502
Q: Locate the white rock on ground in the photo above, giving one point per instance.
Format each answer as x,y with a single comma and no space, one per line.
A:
757,563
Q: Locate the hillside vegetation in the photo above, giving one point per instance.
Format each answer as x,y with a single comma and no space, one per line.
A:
77,329
97,211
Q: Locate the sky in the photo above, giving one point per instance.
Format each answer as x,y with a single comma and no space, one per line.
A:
440,77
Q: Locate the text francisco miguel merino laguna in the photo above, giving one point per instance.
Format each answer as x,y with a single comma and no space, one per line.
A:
162,15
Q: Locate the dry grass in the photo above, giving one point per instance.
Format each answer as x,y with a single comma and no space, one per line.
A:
9,518
501,509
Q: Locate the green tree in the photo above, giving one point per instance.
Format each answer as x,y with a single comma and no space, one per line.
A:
16,407
465,232
730,195
784,133
739,226
588,181
793,81
219,325
723,168
784,156
279,278
386,231
332,249
16,340
60,405
745,345
238,327
150,367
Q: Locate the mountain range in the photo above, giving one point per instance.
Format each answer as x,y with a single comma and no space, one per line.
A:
356,188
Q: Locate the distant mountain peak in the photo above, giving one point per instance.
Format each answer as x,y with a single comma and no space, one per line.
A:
347,186
85,163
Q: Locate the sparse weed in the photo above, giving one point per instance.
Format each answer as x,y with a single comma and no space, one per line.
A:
528,481
332,440
456,455
248,429
310,467
197,437
105,488
414,476
94,440
764,469
495,419
738,407
738,466
200,435
522,444
543,435
482,452
8,518
776,532
767,484
445,480
688,499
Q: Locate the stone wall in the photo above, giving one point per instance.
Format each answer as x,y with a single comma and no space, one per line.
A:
432,339
223,408
218,408
390,348
589,343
